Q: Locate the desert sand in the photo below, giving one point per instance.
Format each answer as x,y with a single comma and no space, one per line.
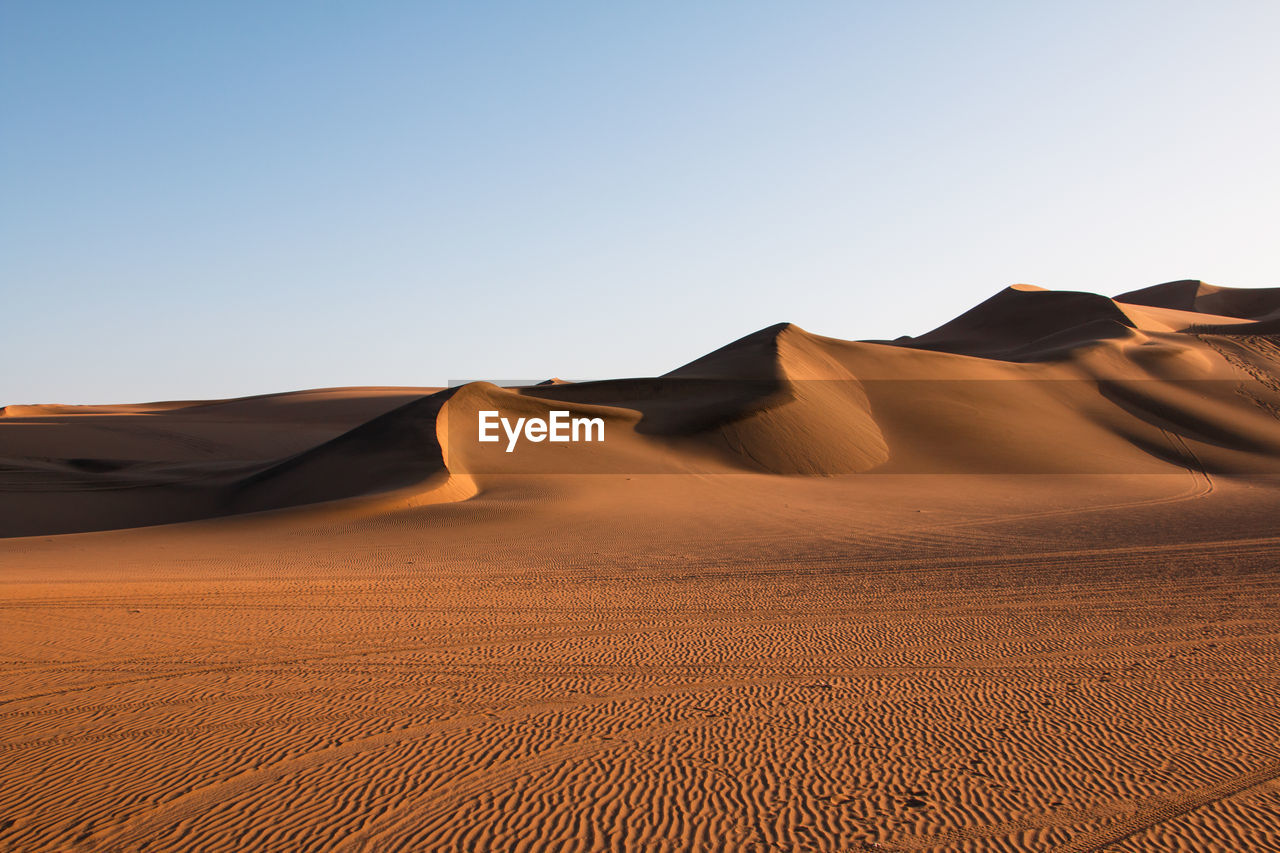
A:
1013,584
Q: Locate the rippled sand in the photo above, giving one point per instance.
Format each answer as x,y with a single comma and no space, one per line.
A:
977,663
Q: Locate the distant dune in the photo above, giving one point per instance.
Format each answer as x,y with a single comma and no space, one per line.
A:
1031,381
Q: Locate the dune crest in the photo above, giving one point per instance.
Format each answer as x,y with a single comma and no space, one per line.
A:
1202,298
1023,323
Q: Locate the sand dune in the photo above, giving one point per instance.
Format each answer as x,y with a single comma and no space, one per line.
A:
1245,303
1007,585
1030,381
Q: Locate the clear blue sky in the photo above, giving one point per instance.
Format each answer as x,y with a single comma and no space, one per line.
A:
225,198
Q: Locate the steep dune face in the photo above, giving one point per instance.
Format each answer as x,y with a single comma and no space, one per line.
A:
1023,322
816,418
393,451
1102,378
774,401
1178,376
1196,296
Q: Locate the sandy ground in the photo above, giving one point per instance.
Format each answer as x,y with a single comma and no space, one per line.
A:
1028,607
948,674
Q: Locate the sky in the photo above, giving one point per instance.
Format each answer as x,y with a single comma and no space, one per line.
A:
205,200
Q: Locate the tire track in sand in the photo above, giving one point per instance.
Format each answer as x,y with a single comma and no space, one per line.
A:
1160,810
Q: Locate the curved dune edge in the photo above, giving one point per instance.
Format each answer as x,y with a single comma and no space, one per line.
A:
443,488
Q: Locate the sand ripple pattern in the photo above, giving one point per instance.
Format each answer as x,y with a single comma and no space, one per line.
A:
966,678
